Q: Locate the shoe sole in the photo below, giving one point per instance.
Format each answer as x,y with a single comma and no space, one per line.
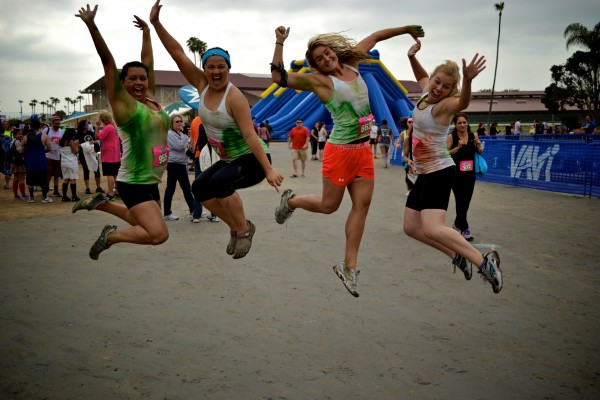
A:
494,254
345,282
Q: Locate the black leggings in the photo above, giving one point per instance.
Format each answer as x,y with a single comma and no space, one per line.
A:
222,179
463,187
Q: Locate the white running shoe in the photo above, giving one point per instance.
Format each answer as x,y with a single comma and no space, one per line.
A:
171,217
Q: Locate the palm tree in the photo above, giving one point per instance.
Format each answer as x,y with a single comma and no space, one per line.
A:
32,105
499,7
68,100
44,103
79,98
34,102
21,104
196,45
54,101
578,35
74,102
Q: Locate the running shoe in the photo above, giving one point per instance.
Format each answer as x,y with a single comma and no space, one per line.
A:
283,210
490,270
99,190
47,200
101,243
66,199
195,220
213,218
171,217
348,276
31,199
464,265
88,191
89,203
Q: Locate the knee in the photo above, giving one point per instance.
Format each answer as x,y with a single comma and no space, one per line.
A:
329,208
409,230
159,237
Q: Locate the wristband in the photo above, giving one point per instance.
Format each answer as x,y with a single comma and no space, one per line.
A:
281,43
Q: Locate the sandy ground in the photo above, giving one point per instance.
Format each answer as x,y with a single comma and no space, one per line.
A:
185,321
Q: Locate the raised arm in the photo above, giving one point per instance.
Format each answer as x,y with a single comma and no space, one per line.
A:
452,105
416,31
421,75
147,56
122,104
192,73
316,83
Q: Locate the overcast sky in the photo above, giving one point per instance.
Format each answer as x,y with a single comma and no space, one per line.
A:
46,51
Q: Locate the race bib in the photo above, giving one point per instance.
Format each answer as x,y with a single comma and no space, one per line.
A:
466,166
160,155
365,124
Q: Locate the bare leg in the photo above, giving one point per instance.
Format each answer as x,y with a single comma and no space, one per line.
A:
428,227
361,193
328,203
149,227
295,165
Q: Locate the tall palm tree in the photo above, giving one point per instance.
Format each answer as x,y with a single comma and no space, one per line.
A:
578,35
44,103
34,102
196,46
74,102
79,98
54,101
32,105
68,100
499,7
21,104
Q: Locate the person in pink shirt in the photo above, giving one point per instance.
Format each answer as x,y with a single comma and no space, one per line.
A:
110,151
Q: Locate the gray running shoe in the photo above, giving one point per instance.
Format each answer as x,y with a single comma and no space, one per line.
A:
464,265
490,270
348,276
89,203
283,210
101,243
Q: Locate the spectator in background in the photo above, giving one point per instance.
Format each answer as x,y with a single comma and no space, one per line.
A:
322,139
508,129
5,141
177,169
263,132
84,135
298,139
314,140
36,165
373,139
494,129
197,142
481,129
111,151
69,148
589,125
517,126
17,167
269,128
385,138
54,134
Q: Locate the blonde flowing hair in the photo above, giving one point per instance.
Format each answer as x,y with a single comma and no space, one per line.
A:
451,69
344,47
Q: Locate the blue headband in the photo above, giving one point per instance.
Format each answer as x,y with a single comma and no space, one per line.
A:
216,51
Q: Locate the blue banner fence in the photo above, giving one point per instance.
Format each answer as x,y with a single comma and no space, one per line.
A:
559,163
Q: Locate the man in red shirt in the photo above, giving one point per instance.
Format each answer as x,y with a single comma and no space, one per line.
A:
298,140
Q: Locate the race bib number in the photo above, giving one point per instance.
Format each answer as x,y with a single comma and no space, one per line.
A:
365,124
160,155
218,148
466,166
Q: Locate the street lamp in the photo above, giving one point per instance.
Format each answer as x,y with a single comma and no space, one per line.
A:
21,104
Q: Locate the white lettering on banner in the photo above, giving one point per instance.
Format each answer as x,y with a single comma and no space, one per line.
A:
529,160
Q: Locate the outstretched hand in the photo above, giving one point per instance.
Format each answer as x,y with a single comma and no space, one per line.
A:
87,15
140,23
414,49
416,31
281,33
155,12
474,68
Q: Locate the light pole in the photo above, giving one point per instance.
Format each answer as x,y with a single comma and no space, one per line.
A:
21,104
